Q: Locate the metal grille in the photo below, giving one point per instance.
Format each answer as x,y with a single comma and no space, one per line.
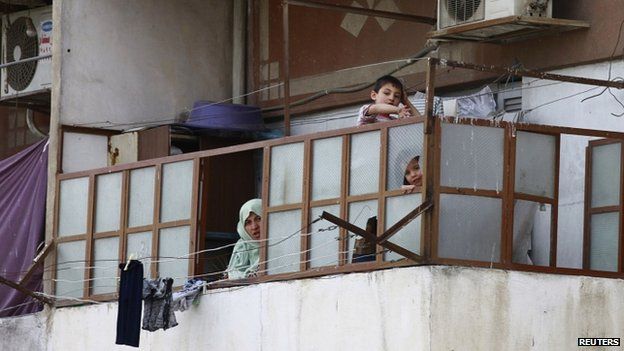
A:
535,164
404,143
174,242
454,12
364,171
105,254
605,175
470,227
326,168
408,237
604,242
70,268
472,157
531,233
324,245
286,174
283,253
20,46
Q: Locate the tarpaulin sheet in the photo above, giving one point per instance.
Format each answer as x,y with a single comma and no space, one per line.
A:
23,182
208,115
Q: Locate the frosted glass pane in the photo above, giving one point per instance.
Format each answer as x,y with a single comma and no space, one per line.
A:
364,168
535,164
324,245
177,188
73,206
283,253
286,182
141,202
404,143
571,210
326,168
472,157
531,235
604,242
359,213
470,227
141,245
106,255
108,202
70,268
606,175
174,242
408,237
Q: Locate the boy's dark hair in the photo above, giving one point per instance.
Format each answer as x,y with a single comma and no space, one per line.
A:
388,79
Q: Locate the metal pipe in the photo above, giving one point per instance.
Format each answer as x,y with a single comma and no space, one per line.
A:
363,11
36,58
285,68
530,73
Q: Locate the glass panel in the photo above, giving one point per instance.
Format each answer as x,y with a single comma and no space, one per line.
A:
141,202
571,209
174,242
472,157
359,213
284,248
605,175
324,245
286,174
108,202
141,245
106,257
531,235
177,191
326,168
604,242
70,268
408,237
364,168
470,227
73,206
535,164
404,143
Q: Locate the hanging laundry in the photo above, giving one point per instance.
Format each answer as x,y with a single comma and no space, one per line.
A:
183,299
157,304
129,309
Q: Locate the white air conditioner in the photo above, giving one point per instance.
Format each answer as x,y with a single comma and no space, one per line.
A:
26,34
456,12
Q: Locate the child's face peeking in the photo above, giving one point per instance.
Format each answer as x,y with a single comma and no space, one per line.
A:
413,174
388,94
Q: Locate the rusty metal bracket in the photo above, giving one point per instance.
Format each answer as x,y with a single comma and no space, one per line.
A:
371,237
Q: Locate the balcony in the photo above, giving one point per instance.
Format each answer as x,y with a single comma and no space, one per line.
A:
509,196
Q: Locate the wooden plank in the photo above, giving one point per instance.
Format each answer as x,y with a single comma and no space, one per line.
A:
25,291
343,255
266,174
371,237
554,210
587,216
471,192
426,205
91,203
305,209
39,259
381,201
153,143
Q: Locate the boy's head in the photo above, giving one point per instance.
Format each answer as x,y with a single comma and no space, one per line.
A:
413,173
387,90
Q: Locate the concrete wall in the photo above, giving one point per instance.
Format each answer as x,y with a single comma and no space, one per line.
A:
418,308
25,333
142,60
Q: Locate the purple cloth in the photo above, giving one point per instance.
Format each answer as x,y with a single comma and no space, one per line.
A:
23,183
208,115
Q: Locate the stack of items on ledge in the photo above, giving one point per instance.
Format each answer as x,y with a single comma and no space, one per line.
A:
160,302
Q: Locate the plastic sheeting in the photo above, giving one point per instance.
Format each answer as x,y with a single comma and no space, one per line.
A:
23,182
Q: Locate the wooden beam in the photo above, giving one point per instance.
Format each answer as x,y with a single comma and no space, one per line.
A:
370,237
36,261
25,291
404,221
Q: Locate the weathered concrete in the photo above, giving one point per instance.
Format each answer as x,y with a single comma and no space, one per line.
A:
431,308
27,333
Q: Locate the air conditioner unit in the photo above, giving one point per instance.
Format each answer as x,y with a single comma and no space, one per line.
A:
457,12
26,34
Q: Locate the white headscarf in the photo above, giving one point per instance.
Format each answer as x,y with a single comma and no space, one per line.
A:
246,254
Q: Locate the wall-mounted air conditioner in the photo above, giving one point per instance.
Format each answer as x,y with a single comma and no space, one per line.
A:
457,12
26,34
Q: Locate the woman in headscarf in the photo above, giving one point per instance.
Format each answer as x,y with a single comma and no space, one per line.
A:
246,254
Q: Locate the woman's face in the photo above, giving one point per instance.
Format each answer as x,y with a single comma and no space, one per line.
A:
253,225
413,175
